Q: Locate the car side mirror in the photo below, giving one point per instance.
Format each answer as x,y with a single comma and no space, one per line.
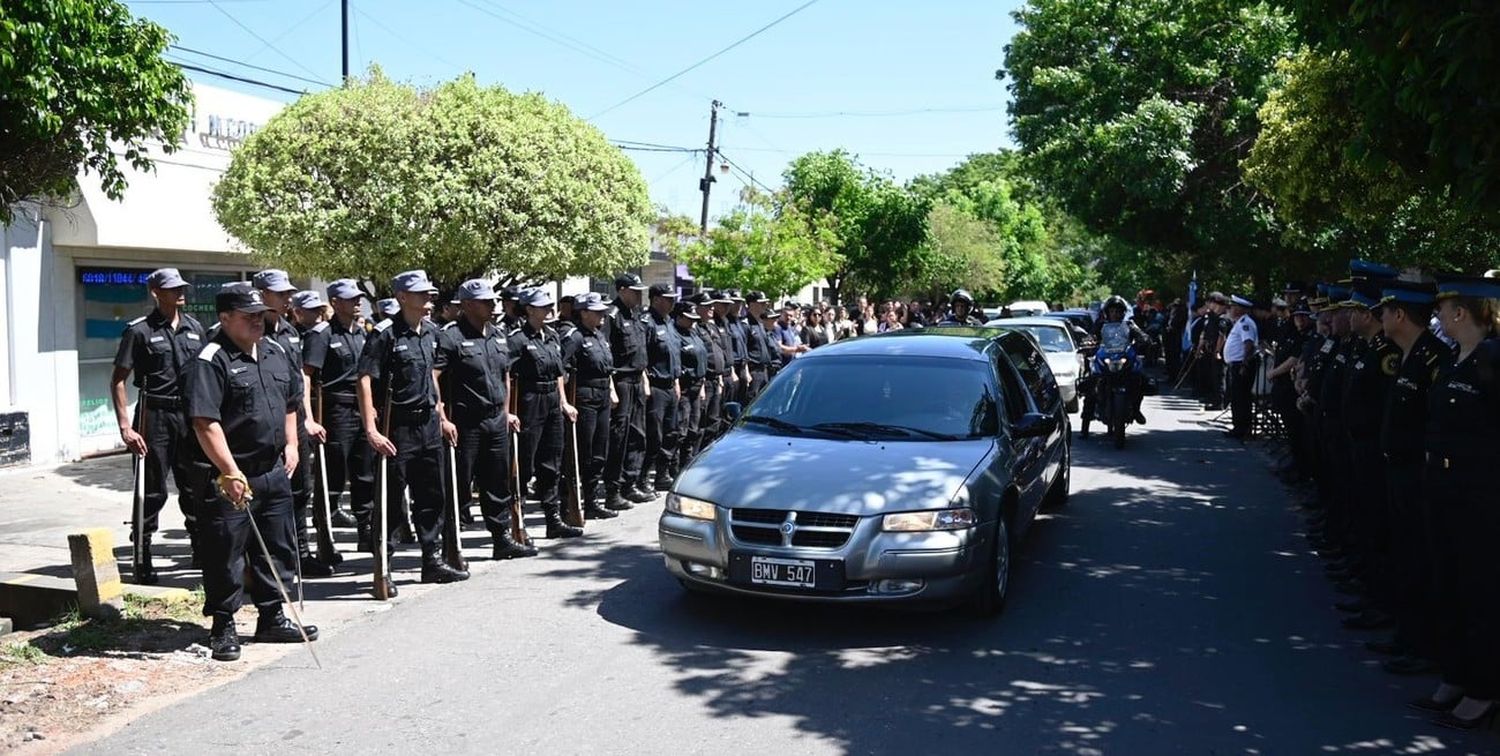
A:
732,410
1034,425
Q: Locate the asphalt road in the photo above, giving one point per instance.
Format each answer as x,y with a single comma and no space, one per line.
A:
1171,607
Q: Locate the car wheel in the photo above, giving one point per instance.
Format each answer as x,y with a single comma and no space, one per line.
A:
1062,485
989,599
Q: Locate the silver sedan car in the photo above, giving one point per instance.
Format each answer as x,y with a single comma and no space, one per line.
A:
895,468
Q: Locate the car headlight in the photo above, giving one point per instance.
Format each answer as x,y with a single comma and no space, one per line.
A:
687,506
932,519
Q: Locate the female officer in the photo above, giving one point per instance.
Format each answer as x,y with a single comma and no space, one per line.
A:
1463,424
538,372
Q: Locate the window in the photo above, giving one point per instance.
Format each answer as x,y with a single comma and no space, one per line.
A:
1015,395
1034,371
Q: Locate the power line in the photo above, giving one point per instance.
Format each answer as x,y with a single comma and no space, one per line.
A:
721,51
275,49
634,148
188,2
654,144
872,113
551,35
410,43
288,30
744,172
245,65
232,77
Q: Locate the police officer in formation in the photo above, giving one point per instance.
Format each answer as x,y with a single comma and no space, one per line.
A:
538,371
727,307
1400,432
663,371
719,353
760,355
330,361
627,441
694,360
591,370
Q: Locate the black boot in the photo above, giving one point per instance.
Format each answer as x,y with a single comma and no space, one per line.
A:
223,640
556,528
274,627
435,570
615,500
640,494
506,547
363,543
314,567
663,481
342,518
594,510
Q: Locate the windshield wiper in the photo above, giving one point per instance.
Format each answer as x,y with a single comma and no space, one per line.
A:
883,428
773,422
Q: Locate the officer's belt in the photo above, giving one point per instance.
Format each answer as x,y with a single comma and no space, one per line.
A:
691,383
662,382
256,467
164,402
468,413
628,377
341,399
591,382
410,415
759,366
537,387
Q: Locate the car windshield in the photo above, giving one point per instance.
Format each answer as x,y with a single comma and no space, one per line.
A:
908,398
1052,339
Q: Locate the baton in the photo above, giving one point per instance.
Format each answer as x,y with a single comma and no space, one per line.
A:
327,551
455,555
576,508
138,487
1186,371
276,576
382,567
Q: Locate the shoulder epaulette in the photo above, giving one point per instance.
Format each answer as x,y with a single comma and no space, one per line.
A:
135,322
276,344
384,324
450,324
513,331
321,327
209,350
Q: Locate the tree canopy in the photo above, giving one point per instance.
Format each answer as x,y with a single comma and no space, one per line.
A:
462,180
81,84
767,243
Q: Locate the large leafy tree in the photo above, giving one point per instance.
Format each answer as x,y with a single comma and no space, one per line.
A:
82,84
880,225
766,244
1136,115
462,180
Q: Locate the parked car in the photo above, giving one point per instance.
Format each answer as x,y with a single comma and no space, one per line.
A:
1083,327
898,468
1055,337
1028,307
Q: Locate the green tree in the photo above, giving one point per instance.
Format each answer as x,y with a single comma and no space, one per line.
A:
82,83
961,250
461,180
765,244
880,225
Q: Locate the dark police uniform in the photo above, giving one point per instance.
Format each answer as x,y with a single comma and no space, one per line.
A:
289,337
1335,458
250,396
760,356
1289,345
1366,381
663,368
716,345
537,363
592,367
158,354
1211,361
734,328
331,352
695,358
627,423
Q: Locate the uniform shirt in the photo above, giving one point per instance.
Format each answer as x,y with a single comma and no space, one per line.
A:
290,339
1365,383
1241,331
399,360
1316,354
758,352
1405,418
332,351
587,355
249,395
158,354
474,362
536,356
1463,408
627,339
734,328
1213,327
715,341
663,348
1330,398
694,354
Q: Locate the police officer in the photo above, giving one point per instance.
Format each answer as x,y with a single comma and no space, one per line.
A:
1240,356
1211,353
1332,436
695,358
512,311
473,369
276,291
330,361
961,309
727,316
157,349
243,401
627,423
663,368
591,369
383,311
307,315
717,350
759,354
537,370
1287,360
396,373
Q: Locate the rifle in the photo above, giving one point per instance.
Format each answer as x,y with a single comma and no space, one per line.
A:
138,488
572,498
517,513
383,496
453,552
323,515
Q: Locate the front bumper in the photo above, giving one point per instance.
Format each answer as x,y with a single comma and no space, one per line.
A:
878,567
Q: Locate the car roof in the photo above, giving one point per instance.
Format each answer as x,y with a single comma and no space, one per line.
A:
955,342
1036,321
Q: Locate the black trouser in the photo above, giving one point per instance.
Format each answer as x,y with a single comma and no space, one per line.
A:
170,445
1466,569
348,458
302,482
593,434
758,378
1335,465
1411,557
1173,349
484,455
1240,410
1284,399
661,431
541,445
418,466
1368,516
227,543
627,434
711,418
689,422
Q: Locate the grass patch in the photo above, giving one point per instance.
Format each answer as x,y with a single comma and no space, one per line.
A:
150,625
20,655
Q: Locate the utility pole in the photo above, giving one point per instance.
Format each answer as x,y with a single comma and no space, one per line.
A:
707,182
345,80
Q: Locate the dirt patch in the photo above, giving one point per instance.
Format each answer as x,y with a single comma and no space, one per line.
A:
60,682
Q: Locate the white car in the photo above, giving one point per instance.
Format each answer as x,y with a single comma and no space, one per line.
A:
1028,307
1056,339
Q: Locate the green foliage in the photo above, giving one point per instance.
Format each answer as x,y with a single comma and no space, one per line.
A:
461,180
82,83
767,244
879,225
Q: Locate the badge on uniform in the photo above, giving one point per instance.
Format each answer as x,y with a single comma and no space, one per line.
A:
1390,363
156,339
191,335
399,348
466,343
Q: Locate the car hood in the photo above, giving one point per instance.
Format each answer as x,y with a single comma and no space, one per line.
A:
749,468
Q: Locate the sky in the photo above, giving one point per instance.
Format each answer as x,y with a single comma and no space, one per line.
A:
908,86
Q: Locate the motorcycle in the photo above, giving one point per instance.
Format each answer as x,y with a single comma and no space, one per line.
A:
1115,369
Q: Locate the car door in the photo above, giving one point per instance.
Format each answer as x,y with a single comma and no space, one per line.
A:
1026,458
1041,389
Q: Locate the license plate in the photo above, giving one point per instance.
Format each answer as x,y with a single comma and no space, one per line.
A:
788,573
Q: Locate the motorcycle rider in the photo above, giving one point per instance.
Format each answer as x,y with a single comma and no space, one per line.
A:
1114,311
961,310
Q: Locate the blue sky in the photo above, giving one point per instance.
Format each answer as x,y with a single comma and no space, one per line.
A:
835,56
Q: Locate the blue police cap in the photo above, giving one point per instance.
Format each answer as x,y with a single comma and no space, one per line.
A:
1468,286
414,281
307,300
1407,291
475,289
273,279
537,298
166,278
1371,270
591,301
240,297
344,288
388,307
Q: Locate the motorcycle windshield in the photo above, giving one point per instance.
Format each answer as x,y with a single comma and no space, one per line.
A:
1114,337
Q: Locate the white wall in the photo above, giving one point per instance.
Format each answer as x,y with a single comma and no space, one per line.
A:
42,374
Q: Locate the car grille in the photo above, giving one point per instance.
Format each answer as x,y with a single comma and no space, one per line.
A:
818,530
